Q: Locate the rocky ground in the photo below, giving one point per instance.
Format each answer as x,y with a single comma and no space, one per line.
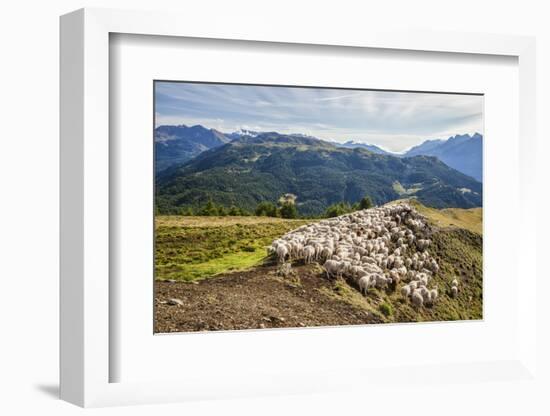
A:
254,299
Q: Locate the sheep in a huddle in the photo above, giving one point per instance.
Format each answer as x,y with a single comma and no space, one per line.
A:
375,248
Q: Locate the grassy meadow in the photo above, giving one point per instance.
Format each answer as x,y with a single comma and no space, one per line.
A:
194,248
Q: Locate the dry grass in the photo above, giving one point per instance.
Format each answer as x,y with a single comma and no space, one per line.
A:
343,292
183,221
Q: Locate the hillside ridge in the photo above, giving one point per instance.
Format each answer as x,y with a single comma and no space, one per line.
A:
258,168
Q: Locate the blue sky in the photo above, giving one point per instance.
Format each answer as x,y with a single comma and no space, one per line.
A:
394,121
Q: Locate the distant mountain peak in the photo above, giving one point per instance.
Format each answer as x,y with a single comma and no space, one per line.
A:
244,132
477,135
462,152
176,144
353,144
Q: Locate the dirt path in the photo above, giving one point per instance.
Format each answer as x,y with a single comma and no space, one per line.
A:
254,299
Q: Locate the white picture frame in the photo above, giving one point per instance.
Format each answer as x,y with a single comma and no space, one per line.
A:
85,211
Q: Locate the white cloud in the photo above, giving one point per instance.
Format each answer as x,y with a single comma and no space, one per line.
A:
392,120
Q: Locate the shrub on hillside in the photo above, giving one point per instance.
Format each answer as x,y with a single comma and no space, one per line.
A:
210,209
365,203
266,209
340,208
288,210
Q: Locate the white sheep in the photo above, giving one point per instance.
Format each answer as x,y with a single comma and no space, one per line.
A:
395,276
434,266
364,283
333,268
417,298
398,262
425,294
282,253
454,291
309,254
356,271
326,253
381,281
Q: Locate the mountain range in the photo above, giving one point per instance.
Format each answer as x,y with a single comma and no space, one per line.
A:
175,145
262,167
461,152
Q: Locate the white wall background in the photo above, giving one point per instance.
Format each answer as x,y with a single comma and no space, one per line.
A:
29,179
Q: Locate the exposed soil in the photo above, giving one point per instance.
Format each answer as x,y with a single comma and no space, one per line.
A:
254,299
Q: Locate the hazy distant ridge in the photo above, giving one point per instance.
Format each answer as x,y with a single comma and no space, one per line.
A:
461,152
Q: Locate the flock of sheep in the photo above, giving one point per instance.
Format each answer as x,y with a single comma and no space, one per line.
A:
383,247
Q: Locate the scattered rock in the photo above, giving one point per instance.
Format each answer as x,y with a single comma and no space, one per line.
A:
278,318
174,302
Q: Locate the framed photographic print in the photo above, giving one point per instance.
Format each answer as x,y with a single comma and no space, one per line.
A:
288,213
281,206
